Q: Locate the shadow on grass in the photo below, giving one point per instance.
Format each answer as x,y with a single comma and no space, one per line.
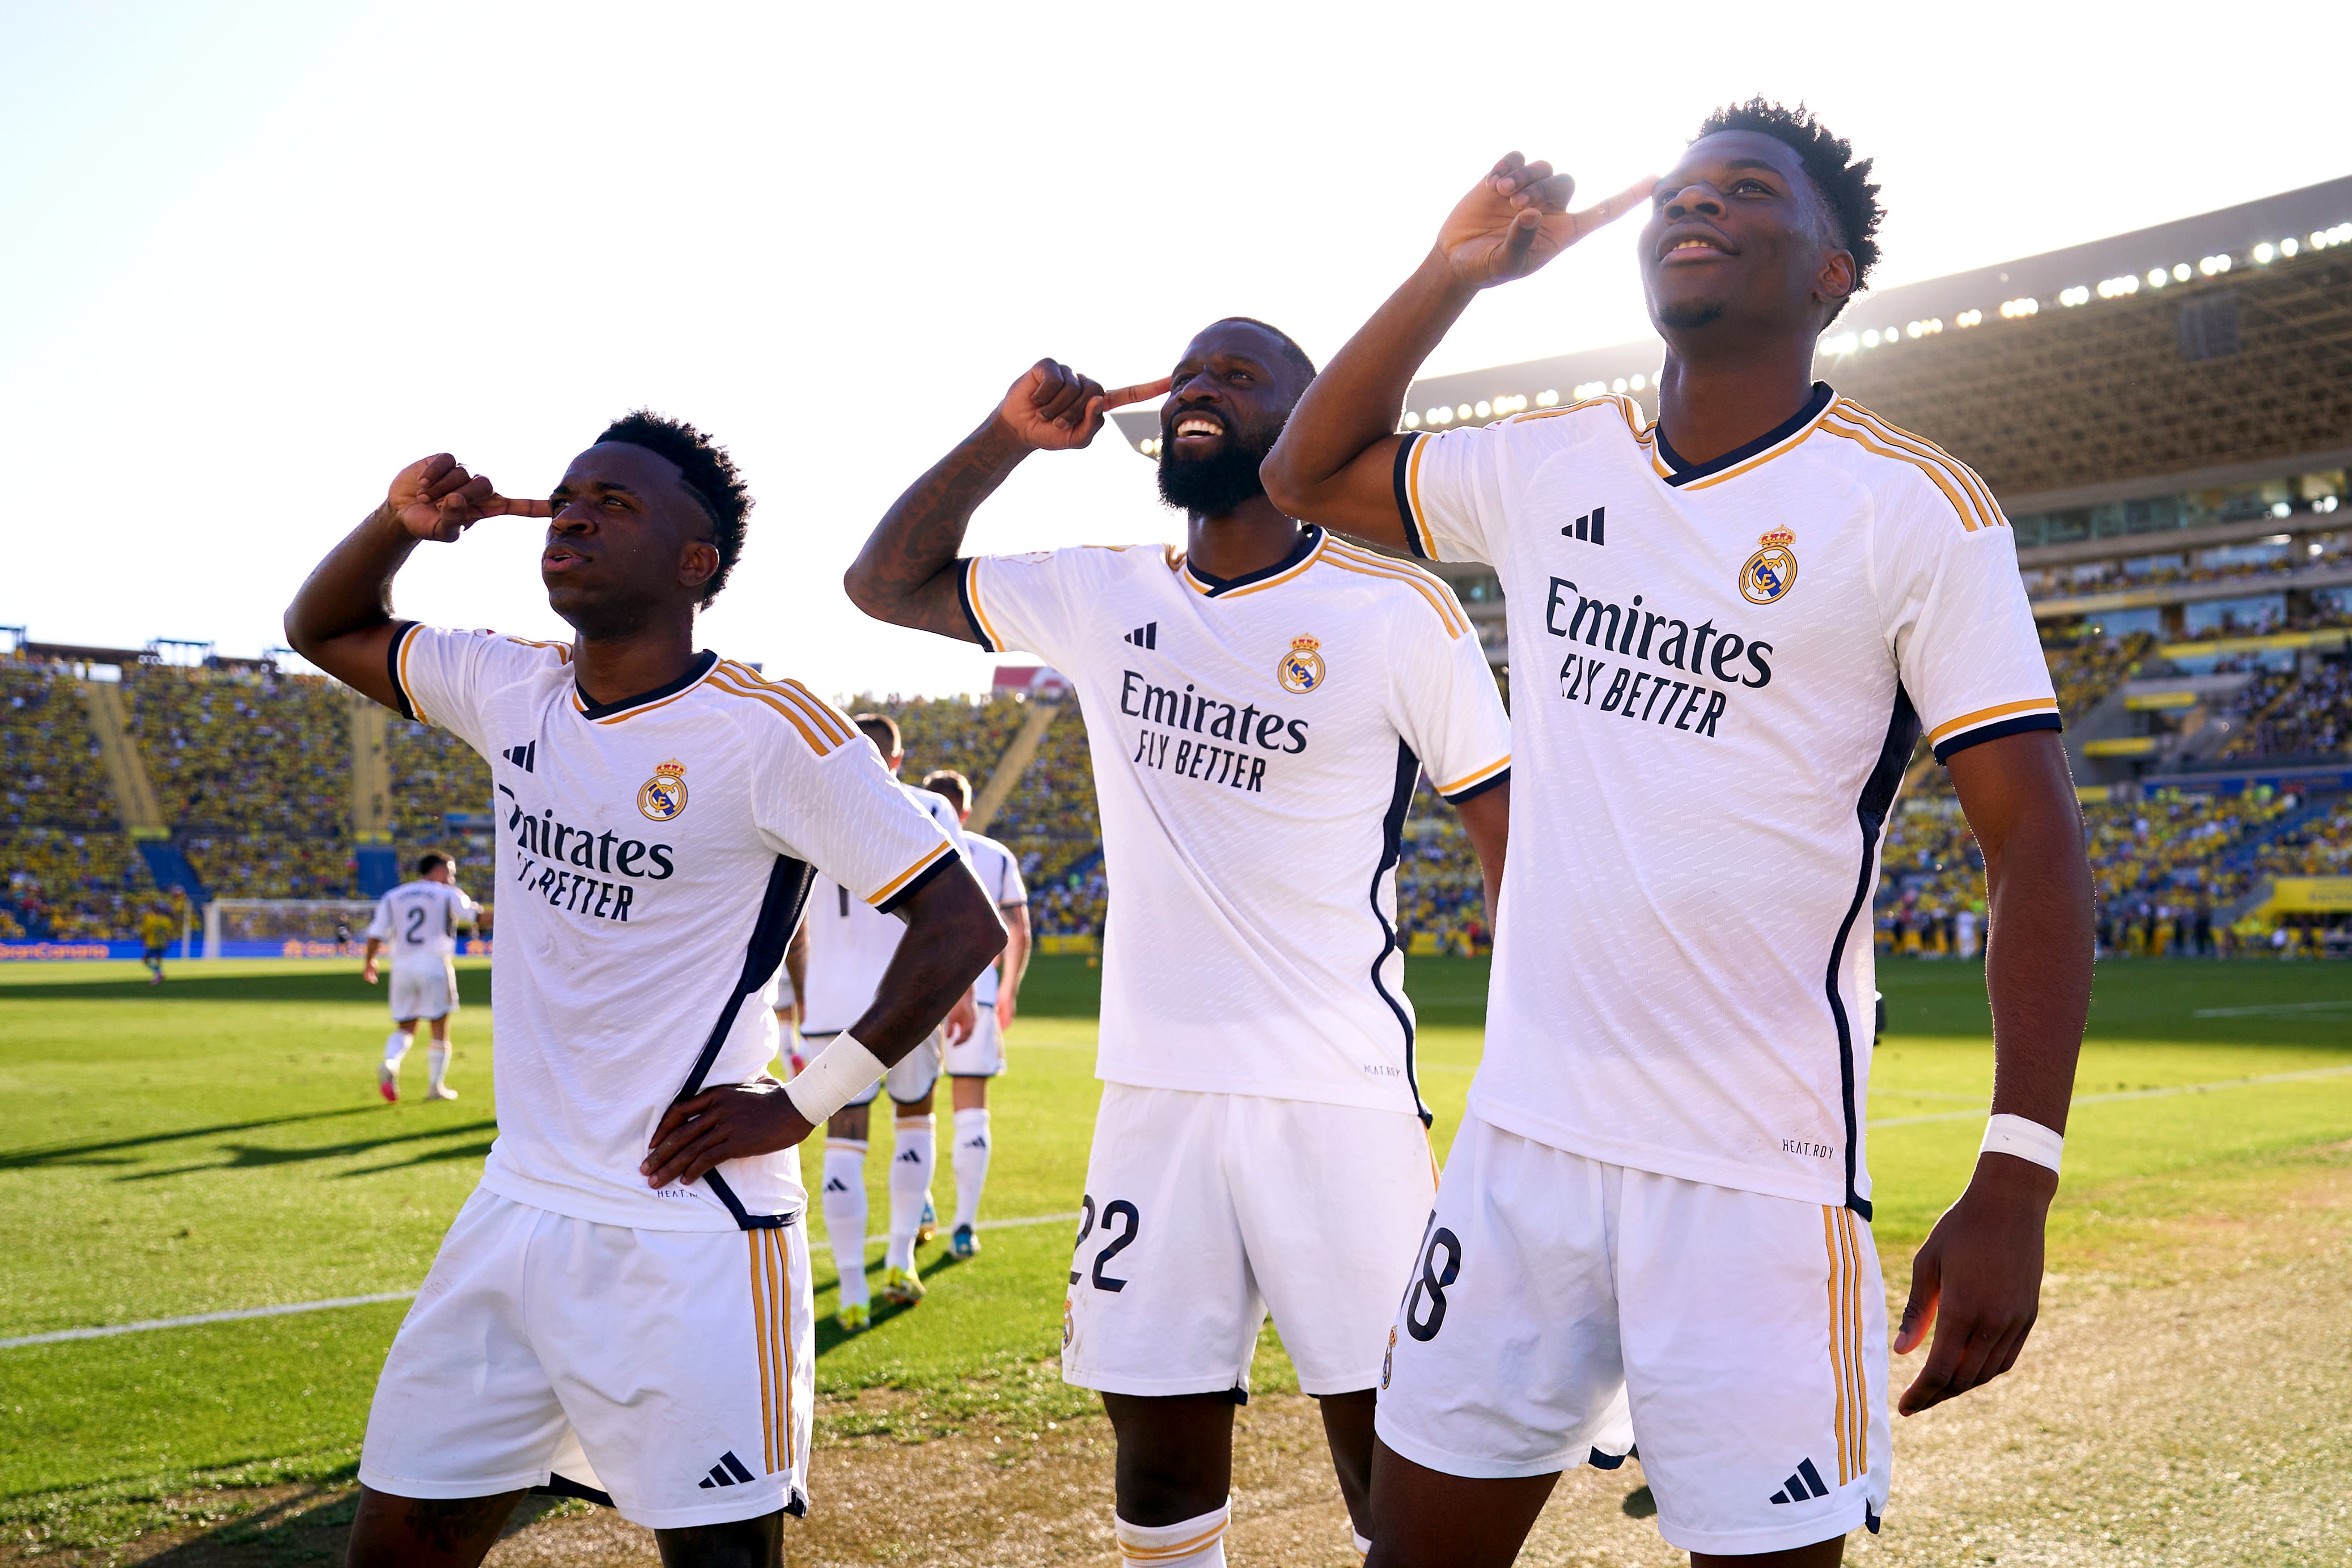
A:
829,1334
79,1153
254,1157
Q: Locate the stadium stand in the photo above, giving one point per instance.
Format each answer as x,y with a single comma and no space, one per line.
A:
71,875
441,794
253,771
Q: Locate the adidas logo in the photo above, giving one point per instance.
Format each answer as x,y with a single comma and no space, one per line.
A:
1144,636
1589,526
728,1472
835,1185
978,1142
910,1157
522,756
1802,1487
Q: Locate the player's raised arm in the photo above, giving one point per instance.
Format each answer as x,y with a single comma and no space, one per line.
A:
1977,1278
341,619
906,575
1336,460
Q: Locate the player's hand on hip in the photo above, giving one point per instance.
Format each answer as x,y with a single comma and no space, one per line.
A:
1977,1282
434,497
732,1121
1053,408
1515,219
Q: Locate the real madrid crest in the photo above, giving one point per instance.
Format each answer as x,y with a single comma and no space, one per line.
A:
1301,669
1771,572
663,796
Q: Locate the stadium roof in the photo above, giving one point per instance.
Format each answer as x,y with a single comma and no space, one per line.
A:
2210,352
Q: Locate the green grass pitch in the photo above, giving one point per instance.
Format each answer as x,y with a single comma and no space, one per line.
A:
218,1145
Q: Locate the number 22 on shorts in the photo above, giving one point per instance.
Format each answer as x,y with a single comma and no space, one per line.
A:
1119,1211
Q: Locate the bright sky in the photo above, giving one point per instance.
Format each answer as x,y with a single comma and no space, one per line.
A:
259,257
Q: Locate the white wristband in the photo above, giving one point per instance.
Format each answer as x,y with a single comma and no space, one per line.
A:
2026,1140
836,1076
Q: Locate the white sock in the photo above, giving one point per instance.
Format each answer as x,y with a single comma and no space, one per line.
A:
395,1046
844,1216
971,1163
1363,1542
436,1062
910,1184
1196,1542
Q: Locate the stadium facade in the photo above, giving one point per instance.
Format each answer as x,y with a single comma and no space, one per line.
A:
2166,418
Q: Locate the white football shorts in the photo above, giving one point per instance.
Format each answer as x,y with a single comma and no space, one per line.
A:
1746,1335
424,991
672,1370
910,1078
1203,1211
982,1054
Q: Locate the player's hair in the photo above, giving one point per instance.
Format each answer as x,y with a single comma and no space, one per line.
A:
709,474
1290,347
880,729
427,864
952,785
1845,184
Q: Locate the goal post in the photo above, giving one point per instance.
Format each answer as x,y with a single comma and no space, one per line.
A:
285,927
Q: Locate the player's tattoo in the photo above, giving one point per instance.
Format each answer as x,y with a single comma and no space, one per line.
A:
906,575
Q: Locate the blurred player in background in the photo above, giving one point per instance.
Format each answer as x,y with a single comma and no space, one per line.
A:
1755,606
1259,707
155,932
622,1310
980,1056
845,948
420,921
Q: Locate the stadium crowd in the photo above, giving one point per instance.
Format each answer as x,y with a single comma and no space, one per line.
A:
433,774
2294,713
254,769
71,873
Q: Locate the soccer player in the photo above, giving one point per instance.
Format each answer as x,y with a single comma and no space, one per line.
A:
622,1310
980,1056
420,919
1260,706
1729,627
155,929
846,948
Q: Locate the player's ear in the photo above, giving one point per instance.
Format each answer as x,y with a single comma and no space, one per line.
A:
696,564
1833,283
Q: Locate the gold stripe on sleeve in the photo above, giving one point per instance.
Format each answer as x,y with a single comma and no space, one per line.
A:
1986,716
882,893
1466,780
1430,588
972,592
792,713
1422,533
1967,513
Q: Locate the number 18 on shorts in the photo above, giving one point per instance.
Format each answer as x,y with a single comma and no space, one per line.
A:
1744,1334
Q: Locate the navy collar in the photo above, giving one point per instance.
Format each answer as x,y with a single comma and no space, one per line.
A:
1684,473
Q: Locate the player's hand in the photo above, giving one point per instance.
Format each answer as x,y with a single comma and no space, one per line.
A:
1515,219
1053,408
961,1020
732,1121
1976,1281
1004,1010
434,497
367,972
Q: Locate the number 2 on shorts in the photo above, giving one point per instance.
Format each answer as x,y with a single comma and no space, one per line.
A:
1130,1223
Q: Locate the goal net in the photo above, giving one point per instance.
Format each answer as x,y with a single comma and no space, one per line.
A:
287,928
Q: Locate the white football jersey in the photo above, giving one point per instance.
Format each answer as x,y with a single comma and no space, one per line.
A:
418,921
652,859
1256,745
851,943
1719,671
1000,877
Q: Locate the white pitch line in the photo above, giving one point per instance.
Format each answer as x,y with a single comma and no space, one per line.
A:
2110,1099
58,1336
